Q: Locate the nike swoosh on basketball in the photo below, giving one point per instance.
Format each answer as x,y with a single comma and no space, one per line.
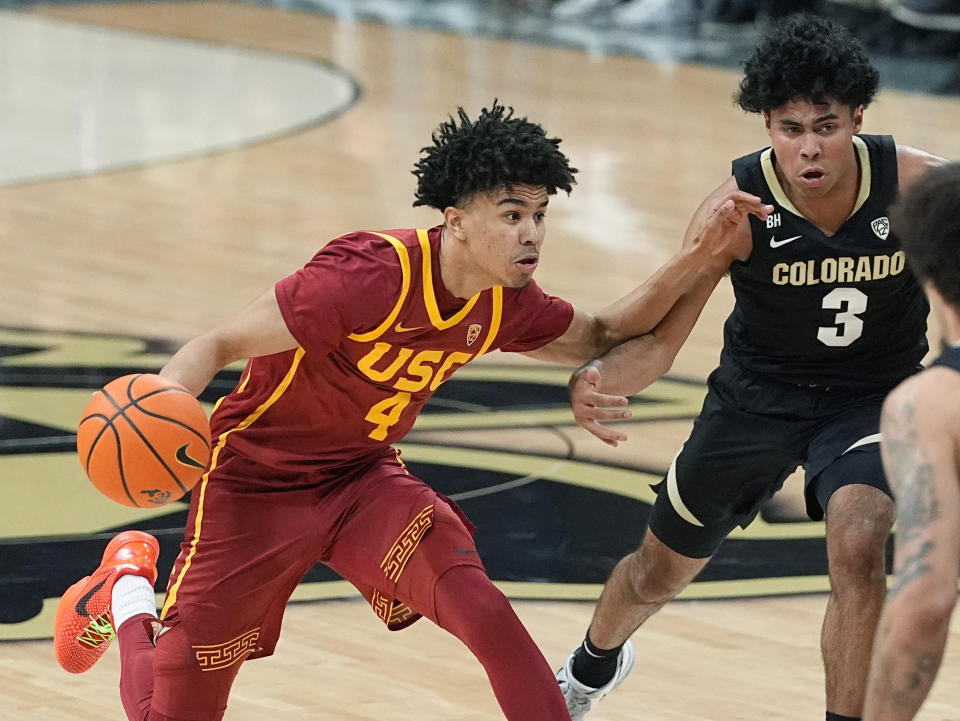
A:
774,243
185,459
82,603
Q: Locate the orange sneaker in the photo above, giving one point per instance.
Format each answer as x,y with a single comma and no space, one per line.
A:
84,625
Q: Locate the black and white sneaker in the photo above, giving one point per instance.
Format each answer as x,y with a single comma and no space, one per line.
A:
581,698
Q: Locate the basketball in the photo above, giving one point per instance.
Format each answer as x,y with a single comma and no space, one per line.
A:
143,440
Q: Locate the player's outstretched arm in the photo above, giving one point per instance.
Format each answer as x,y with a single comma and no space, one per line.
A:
921,450
711,242
598,389
257,330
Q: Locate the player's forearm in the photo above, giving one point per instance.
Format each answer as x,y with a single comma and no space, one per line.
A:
641,310
906,658
196,363
631,366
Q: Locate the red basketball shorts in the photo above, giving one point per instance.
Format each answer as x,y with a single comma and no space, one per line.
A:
248,544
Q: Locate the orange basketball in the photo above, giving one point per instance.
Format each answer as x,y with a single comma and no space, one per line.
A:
143,440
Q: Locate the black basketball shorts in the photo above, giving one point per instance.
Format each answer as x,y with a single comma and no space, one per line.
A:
751,434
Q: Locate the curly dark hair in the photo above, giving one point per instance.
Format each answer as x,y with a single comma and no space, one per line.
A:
926,220
809,58
495,150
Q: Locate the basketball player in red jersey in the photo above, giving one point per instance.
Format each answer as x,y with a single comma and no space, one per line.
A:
344,353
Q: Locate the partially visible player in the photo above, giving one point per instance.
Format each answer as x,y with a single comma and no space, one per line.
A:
344,354
921,455
827,321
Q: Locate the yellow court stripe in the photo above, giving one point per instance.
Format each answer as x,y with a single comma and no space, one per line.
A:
221,442
429,296
404,289
495,318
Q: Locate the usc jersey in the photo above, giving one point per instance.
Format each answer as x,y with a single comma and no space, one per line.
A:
378,334
818,310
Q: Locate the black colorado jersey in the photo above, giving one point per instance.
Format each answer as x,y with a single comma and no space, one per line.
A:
824,311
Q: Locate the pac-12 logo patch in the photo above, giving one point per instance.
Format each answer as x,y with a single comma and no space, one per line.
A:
881,226
473,332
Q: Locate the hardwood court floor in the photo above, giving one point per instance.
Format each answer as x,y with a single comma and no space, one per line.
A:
698,661
166,250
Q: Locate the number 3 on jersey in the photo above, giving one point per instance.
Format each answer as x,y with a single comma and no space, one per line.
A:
849,302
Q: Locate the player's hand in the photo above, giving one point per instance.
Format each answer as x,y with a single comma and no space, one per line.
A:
590,406
717,227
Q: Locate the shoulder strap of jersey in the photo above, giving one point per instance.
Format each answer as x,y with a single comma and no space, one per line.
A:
404,258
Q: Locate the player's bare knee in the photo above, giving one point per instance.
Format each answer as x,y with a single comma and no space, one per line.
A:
653,583
856,556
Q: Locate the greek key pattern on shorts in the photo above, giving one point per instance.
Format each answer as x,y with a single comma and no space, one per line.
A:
400,613
381,606
222,655
390,612
406,544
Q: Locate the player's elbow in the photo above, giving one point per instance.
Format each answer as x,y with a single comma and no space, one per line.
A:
218,348
601,337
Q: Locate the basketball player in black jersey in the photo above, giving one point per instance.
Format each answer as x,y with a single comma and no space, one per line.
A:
921,455
827,321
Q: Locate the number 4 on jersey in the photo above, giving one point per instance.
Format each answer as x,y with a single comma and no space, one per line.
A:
386,413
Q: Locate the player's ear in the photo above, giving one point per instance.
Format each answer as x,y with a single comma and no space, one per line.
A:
858,119
453,219
766,120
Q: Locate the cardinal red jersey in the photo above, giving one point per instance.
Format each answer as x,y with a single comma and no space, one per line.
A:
378,334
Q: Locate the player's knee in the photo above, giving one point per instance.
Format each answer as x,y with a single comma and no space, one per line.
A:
652,583
857,555
465,592
471,608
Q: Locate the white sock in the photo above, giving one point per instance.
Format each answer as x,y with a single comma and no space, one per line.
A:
132,595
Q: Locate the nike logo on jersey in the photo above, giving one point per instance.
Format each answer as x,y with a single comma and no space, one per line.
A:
81,606
185,458
400,328
774,243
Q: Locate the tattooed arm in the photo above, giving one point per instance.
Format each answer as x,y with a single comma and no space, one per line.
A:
921,454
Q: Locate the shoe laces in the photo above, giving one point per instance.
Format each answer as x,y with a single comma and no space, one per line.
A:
97,632
576,700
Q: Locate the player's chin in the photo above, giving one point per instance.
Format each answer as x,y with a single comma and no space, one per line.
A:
518,282
518,279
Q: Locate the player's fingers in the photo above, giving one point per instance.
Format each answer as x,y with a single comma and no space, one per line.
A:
604,401
606,414
737,203
607,435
